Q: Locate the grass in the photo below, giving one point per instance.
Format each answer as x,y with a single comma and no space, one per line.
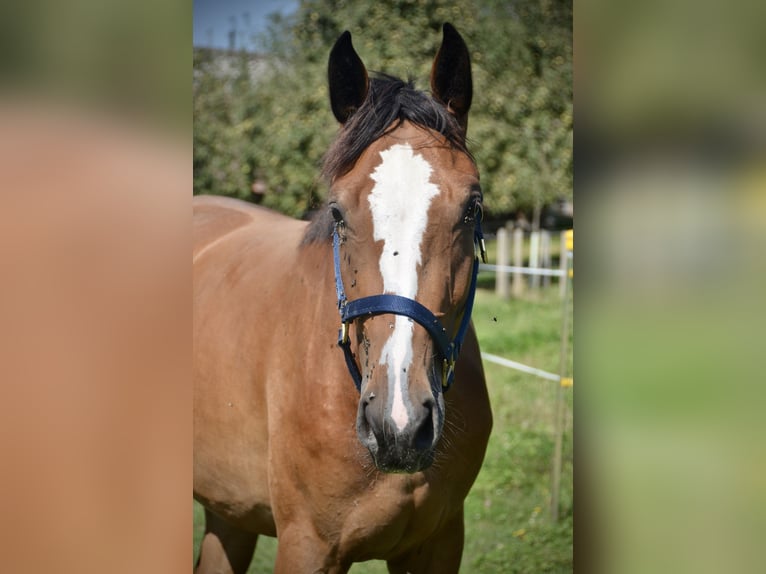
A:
508,525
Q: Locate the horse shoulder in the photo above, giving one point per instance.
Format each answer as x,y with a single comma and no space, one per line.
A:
239,249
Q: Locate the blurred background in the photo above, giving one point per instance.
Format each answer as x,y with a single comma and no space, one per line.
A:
95,296
671,195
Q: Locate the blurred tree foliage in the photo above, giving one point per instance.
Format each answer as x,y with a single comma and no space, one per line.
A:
274,127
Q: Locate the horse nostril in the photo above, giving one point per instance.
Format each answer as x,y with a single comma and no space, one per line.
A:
366,427
371,418
424,435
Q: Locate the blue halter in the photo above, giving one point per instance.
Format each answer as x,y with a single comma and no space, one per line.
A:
397,305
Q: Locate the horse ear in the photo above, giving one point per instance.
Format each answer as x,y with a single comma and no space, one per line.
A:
451,81
347,77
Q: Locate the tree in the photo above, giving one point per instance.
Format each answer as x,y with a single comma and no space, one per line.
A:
520,127
221,138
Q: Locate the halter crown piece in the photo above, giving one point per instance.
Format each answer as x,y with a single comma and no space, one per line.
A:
397,305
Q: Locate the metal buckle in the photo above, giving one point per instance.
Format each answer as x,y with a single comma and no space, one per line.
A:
344,333
482,248
447,369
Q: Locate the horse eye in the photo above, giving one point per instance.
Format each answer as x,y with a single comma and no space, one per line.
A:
336,214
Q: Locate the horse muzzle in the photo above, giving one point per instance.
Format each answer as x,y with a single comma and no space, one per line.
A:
397,441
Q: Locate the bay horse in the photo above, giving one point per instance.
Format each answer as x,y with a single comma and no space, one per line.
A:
357,453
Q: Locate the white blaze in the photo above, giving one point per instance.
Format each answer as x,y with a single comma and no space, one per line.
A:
399,202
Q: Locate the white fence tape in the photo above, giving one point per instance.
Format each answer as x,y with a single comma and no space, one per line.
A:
523,270
520,367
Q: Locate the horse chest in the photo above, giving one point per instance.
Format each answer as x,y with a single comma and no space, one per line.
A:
393,518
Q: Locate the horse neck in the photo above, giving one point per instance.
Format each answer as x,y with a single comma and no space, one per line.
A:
315,298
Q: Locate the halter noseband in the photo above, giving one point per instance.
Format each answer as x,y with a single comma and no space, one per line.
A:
397,305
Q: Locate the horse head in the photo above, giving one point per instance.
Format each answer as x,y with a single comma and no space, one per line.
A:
405,204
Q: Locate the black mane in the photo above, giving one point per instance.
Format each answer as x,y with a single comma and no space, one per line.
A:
389,102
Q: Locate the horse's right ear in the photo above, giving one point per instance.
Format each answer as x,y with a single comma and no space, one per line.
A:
347,77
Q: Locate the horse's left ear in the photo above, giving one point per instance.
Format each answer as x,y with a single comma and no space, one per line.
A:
347,77
451,81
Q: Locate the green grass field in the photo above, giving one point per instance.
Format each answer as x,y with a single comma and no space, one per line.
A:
508,525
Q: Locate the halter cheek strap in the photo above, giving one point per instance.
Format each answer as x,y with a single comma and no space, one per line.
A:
397,305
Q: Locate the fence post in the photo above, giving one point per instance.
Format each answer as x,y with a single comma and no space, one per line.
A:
568,245
518,261
534,258
501,275
545,254
563,264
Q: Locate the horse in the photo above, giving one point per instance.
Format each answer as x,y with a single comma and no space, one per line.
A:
366,451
